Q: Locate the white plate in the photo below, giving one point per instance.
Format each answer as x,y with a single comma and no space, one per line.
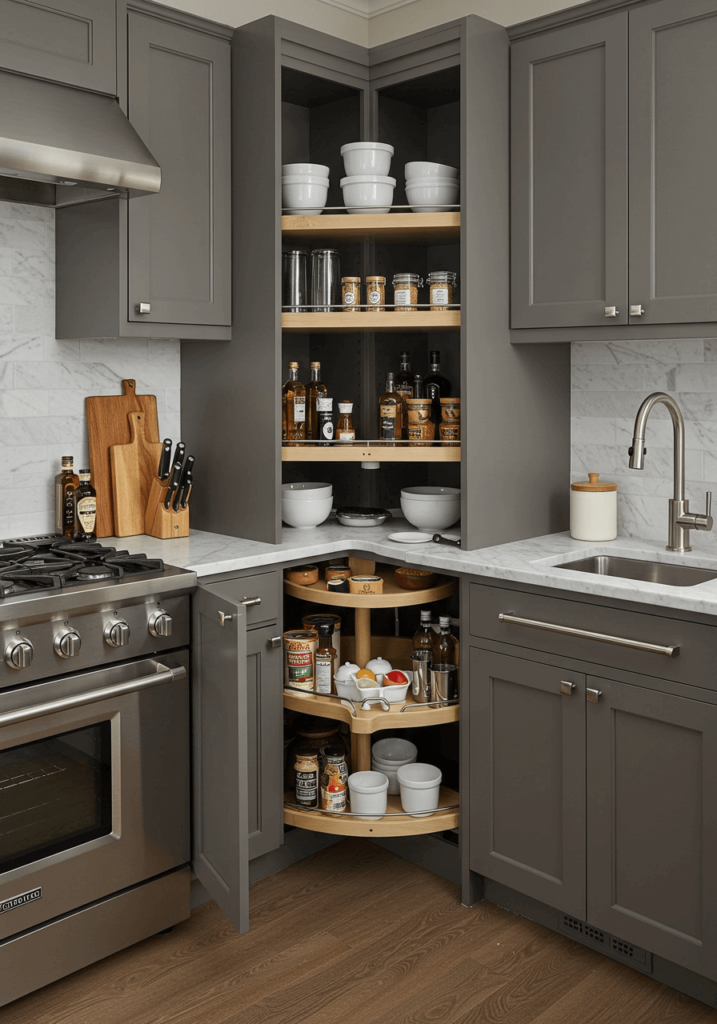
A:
411,538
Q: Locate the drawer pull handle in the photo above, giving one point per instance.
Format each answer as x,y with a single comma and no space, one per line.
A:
276,641
587,634
249,602
566,688
593,695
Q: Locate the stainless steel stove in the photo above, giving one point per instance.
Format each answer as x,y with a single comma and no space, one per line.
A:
94,754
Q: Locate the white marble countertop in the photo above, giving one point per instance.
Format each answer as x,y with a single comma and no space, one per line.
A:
535,561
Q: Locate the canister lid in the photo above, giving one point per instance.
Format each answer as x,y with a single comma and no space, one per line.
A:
593,483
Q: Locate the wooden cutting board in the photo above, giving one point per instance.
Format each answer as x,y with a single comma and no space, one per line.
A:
134,467
107,425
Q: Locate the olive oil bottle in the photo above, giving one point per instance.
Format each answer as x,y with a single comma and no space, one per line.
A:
85,509
65,485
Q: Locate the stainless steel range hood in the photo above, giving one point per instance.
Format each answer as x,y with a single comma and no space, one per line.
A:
62,136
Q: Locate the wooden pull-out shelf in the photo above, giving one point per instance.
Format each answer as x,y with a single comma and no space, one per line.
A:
368,451
421,321
401,825
341,228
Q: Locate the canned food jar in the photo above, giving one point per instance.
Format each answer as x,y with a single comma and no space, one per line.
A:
449,429
350,294
306,768
405,292
421,428
376,293
299,651
593,509
441,285
334,779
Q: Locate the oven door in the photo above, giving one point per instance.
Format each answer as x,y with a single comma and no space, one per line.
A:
94,787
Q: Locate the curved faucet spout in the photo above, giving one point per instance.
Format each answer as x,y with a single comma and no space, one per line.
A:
637,451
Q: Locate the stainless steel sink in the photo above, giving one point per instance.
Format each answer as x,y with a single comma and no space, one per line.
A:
637,569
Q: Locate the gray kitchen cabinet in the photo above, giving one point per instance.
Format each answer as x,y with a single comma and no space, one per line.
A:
160,265
569,175
68,41
237,735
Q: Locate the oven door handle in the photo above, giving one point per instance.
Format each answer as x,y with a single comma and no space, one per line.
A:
162,675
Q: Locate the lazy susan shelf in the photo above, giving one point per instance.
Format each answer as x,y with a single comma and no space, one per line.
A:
374,719
416,228
343,824
393,596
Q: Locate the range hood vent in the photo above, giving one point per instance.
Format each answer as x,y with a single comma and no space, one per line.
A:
60,136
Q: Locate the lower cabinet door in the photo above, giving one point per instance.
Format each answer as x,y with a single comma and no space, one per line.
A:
265,740
527,781
652,821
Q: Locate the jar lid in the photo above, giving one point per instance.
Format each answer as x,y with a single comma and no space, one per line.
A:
374,279
454,401
350,280
593,483
408,279
346,407
442,277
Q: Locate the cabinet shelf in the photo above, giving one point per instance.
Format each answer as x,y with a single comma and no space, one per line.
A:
415,228
374,719
421,321
400,825
369,452
393,596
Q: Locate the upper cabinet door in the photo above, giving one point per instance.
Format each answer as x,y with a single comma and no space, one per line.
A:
68,41
569,176
179,240
673,154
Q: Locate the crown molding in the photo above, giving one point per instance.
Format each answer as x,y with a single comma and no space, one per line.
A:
367,8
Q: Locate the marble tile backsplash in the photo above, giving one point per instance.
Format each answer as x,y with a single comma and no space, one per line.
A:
44,382
609,381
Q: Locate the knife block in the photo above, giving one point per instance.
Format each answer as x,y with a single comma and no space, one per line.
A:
164,523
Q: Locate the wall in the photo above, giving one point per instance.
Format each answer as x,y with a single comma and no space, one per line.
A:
609,381
43,382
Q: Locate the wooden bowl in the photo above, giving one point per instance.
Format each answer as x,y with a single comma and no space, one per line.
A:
302,575
415,579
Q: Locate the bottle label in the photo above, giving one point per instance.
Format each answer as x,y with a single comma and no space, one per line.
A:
439,296
299,410
69,513
326,430
402,297
87,514
388,422
405,389
307,788
59,509
374,298
347,435
324,672
349,298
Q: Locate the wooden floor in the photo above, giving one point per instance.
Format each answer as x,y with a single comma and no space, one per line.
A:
355,935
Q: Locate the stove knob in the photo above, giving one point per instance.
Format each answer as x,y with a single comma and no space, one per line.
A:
117,633
19,653
68,644
160,624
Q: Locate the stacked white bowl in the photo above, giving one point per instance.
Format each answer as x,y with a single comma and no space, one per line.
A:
430,187
305,505
367,187
431,508
388,755
304,188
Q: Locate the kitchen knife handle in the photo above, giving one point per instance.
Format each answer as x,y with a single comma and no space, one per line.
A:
164,463
173,484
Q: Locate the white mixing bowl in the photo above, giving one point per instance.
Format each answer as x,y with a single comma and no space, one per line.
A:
431,195
426,169
305,491
303,515
367,157
304,197
320,169
368,193
431,508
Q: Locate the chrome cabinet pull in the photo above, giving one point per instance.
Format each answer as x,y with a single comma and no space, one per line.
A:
276,641
586,634
611,311
593,695
249,602
224,618
144,307
166,675
566,688
636,310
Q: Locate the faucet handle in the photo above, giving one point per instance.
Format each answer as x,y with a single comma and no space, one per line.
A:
708,504
705,522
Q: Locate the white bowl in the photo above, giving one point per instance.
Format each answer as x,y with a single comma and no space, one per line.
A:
394,787
320,169
366,193
392,765
432,198
368,791
431,508
367,157
304,197
420,788
427,169
305,179
305,491
394,748
304,515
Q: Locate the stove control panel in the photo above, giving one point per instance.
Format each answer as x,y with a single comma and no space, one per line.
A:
68,643
160,623
117,633
19,653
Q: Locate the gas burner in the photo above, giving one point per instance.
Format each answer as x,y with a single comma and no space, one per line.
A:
96,571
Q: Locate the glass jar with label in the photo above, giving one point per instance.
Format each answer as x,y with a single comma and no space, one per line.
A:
350,294
450,426
306,767
324,421
376,293
441,286
405,292
334,779
345,430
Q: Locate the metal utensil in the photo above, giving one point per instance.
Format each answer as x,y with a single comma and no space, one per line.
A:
438,539
421,685
444,682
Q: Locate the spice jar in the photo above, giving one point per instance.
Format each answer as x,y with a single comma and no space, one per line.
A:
334,779
306,768
345,430
376,293
441,284
350,294
593,509
314,734
405,292
421,428
450,426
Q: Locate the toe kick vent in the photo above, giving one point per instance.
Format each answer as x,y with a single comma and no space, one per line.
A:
592,936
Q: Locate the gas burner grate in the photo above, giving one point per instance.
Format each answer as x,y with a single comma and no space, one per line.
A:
133,565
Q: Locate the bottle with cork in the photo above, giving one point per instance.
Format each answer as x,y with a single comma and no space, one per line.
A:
293,407
315,389
66,483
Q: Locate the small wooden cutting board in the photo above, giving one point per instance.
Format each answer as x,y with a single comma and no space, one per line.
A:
107,425
134,467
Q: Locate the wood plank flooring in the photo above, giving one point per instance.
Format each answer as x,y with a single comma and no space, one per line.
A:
356,934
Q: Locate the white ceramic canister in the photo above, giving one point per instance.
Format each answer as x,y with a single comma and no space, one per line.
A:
593,509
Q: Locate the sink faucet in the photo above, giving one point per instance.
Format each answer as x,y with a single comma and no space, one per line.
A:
681,519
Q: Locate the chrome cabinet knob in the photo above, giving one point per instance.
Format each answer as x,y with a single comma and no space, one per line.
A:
68,644
593,695
160,624
144,307
636,310
276,641
116,633
250,602
566,688
611,311
19,653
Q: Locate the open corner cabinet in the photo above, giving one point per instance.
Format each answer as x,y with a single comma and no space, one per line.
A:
441,95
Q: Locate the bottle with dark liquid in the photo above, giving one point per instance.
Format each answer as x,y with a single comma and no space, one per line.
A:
293,407
390,413
314,389
437,387
85,509
404,388
65,485
419,390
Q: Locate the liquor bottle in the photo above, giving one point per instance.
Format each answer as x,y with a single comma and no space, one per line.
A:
424,637
404,380
419,389
314,389
65,484
390,413
445,645
293,407
85,508
437,387
324,659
